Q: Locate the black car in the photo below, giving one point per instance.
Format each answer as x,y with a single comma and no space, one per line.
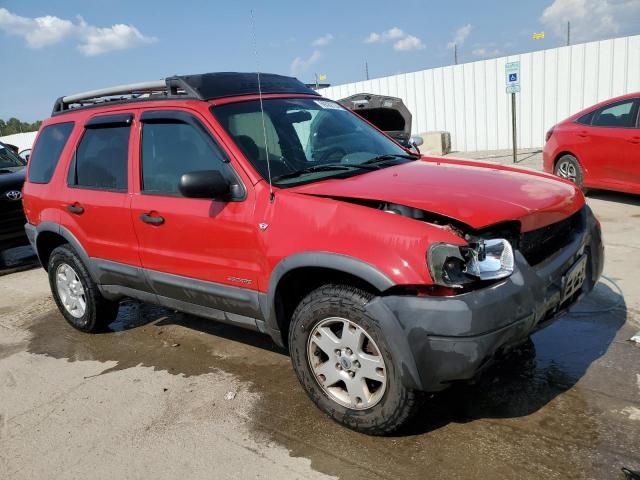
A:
12,220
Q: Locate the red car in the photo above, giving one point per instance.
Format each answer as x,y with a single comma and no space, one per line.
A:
266,206
598,147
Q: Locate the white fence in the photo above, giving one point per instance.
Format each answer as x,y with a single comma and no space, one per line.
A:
470,102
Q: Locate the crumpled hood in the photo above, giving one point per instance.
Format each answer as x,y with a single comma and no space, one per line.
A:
476,194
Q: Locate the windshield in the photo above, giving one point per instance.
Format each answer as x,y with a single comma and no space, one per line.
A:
9,160
306,140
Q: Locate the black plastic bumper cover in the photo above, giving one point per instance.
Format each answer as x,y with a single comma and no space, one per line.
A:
438,340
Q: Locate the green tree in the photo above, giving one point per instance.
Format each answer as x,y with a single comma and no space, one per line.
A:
14,125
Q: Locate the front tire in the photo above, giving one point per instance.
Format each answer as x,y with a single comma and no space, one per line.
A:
76,294
568,167
344,363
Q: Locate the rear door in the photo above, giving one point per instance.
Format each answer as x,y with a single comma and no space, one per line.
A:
96,198
192,248
614,142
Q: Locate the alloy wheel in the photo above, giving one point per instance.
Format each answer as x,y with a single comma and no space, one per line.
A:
347,363
70,290
567,169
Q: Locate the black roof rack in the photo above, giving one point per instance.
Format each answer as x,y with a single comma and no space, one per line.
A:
205,86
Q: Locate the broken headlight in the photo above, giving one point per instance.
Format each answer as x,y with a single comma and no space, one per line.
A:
456,266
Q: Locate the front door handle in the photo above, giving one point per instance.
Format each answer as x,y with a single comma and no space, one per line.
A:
151,219
75,208
634,140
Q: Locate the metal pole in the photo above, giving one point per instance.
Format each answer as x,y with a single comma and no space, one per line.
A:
513,128
568,33
366,69
455,54
317,85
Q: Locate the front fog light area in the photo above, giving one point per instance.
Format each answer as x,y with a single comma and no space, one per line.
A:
457,266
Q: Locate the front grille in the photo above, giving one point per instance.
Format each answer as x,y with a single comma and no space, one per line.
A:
12,218
540,244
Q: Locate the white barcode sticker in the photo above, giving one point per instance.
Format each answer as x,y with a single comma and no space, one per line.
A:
328,105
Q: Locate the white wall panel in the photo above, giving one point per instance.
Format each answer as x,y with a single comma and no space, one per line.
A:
20,140
470,102
491,104
633,64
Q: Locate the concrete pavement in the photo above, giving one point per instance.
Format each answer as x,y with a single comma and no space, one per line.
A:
166,395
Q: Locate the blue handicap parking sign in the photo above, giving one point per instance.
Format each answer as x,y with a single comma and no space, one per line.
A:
513,77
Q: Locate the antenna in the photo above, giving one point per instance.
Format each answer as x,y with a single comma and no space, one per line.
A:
264,128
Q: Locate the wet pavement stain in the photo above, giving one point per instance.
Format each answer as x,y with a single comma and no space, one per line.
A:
523,418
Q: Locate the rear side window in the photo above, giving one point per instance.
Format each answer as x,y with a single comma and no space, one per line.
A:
618,115
47,150
101,159
170,149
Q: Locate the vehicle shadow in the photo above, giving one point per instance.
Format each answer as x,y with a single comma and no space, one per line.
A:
618,197
518,384
530,377
226,331
17,259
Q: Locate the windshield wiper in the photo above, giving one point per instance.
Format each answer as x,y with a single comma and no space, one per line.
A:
327,167
389,156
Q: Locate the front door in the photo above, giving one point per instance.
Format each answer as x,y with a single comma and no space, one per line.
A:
612,135
192,249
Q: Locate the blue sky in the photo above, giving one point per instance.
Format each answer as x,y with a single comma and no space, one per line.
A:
50,49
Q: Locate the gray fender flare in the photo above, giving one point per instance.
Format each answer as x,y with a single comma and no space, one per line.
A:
387,321
398,341
70,238
334,261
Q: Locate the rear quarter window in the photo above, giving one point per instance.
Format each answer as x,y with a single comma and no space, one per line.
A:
47,150
586,118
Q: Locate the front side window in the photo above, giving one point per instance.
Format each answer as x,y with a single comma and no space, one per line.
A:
171,149
314,139
47,150
618,115
101,159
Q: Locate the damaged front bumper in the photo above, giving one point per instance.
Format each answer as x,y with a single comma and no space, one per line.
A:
439,340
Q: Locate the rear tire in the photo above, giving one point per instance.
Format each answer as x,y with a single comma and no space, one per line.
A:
76,294
569,168
339,376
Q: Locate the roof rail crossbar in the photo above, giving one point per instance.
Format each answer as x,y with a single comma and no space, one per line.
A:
205,86
172,86
118,90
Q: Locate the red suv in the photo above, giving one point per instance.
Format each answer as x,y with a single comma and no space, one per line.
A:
256,202
598,147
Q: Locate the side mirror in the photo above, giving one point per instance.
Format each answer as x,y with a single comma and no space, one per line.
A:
205,184
416,140
27,157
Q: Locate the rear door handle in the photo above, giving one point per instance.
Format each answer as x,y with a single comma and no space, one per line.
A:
583,133
151,219
75,208
634,140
